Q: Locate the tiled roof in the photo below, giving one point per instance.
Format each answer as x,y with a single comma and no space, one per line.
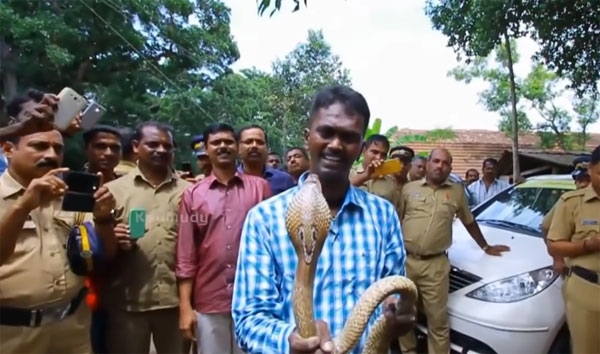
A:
470,147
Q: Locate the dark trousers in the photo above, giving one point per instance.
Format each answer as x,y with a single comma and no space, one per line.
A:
98,331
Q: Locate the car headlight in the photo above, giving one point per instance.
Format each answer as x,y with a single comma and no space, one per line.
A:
516,288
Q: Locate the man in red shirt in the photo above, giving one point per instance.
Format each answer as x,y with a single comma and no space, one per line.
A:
212,213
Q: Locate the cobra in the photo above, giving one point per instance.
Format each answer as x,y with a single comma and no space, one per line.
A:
307,221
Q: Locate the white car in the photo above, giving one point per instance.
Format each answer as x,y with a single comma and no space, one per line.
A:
511,304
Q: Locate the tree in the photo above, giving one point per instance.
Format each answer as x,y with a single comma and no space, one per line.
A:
474,29
587,110
129,55
497,97
264,5
568,32
309,67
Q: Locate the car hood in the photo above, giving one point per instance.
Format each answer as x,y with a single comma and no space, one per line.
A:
526,253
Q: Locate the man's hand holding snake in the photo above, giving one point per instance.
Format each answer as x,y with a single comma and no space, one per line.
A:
401,319
320,344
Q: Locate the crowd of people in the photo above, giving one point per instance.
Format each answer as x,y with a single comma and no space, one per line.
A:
214,267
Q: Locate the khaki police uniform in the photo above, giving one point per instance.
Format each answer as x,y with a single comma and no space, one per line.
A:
38,277
124,167
576,218
427,215
384,187
141,297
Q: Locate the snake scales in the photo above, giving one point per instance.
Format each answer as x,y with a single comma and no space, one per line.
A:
308,222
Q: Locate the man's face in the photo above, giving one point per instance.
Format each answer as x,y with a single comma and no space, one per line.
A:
36,154
472,176
297,163
104,151
253,146
375,151
273,161
222,149
439,166
203,163
417,170
489,170
155,148
334,142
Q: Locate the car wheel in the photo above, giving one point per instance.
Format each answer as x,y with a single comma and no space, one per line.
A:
562,342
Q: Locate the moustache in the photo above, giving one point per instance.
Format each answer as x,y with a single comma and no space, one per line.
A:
223,151
334,156
47,163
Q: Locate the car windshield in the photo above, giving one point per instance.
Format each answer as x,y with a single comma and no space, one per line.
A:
522,208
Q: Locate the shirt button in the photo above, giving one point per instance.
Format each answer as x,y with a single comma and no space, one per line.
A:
229,266
229,285
226,193
228,227
228,247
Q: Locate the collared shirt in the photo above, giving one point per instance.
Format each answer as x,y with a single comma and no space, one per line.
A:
37,274
363,246
211,218
145,276
124,167
480,193
278,180
576,218
427,215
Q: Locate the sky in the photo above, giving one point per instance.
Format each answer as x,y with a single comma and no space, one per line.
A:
396,60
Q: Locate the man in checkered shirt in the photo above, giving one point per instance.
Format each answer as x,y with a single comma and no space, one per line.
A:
364,243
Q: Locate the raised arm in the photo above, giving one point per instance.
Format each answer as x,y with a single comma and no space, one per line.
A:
257,306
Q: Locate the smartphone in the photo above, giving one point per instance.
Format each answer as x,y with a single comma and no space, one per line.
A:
92,115
388,167
70,104
137,223
80,194
186,167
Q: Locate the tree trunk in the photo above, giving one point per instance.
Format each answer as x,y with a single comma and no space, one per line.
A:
513,103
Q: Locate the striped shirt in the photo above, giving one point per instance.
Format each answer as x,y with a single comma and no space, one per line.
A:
479,193
364,245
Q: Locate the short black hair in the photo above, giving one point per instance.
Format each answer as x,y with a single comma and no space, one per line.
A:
471,170
595,157
218,128
127,136
354,103
251,126
377,138
274,153
89,135
139,130
301,149
490,160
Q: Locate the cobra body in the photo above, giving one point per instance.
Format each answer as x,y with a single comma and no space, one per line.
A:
307,221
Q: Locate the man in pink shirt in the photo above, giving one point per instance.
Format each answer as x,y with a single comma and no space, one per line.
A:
212,213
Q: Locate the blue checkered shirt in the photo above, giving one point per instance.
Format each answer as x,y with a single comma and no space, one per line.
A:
364,245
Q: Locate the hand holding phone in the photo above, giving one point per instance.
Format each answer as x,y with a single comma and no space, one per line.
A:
92,115
388,167
70,103
80,193
137,223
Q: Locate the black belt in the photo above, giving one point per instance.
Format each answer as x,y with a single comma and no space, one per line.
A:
11,316
425,257
584,273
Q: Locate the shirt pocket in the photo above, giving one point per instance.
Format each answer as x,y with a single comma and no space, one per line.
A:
584,230
28,239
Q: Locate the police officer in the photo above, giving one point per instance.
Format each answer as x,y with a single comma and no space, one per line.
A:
41,299
375,151
202,160
428,209
575,235
405,155
582,179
